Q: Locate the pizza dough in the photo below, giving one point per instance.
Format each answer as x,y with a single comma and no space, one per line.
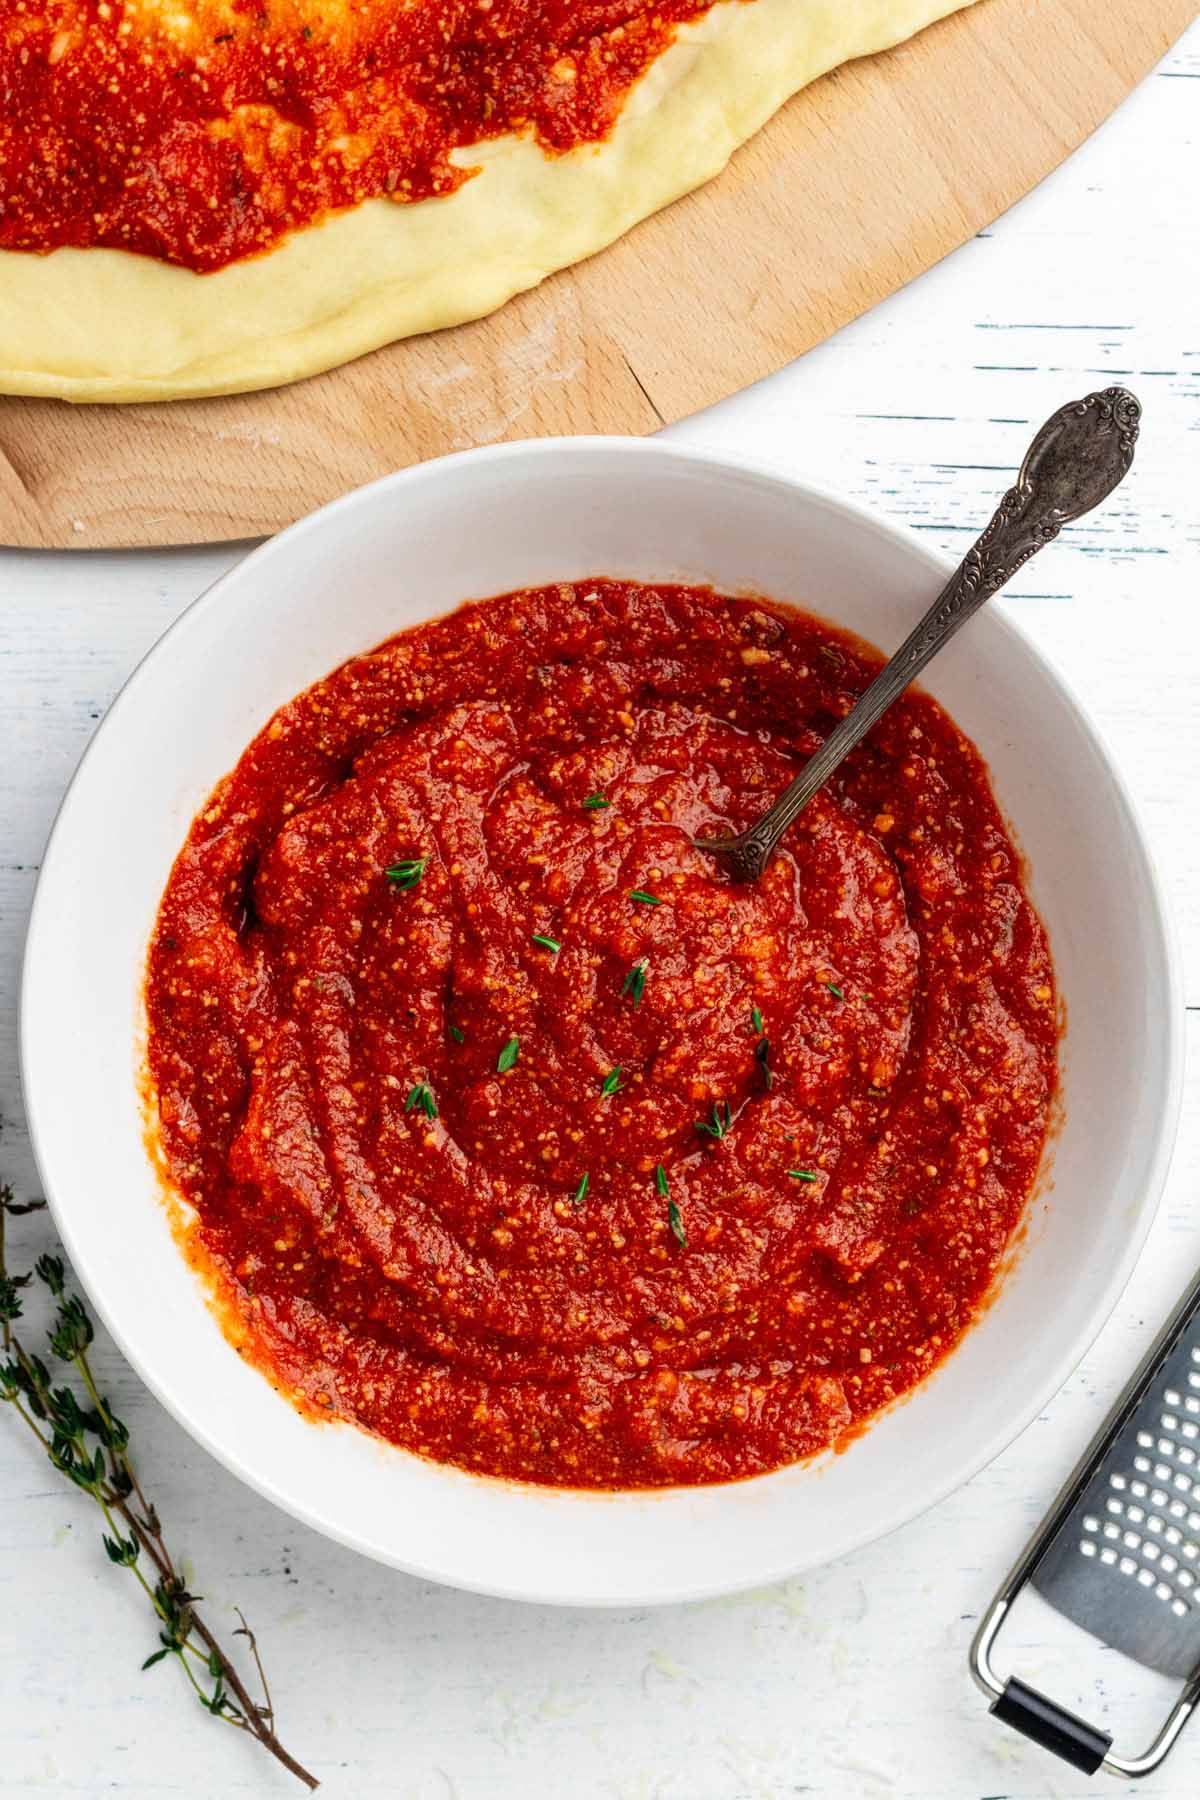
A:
97,324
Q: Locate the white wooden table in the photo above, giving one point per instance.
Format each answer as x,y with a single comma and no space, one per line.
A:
849,1682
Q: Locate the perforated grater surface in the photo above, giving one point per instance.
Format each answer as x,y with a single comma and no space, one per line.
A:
1119,1554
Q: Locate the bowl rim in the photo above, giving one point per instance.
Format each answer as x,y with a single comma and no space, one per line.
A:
654,449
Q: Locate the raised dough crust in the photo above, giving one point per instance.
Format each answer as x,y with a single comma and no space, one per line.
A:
106,325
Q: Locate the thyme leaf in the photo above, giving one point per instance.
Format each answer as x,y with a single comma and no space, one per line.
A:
407,874
421,1096
718,1121
634,983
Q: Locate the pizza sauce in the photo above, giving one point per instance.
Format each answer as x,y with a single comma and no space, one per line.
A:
203,131
515,1131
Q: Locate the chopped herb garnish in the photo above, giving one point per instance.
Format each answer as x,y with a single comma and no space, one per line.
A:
422,1096
675,1221
645,898
718,1123
547,943
594,802
635,982
835,990
455,1033
762,1052
756,1020
660,1180
802,1175
407,874
580,1194
612,1083
508,1056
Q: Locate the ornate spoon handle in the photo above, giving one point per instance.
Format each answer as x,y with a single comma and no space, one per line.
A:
1074,462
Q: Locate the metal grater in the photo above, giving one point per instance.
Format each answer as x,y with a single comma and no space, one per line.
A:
1119,1554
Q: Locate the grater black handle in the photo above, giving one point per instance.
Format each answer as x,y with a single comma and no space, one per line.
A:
1021,1706
1051,1726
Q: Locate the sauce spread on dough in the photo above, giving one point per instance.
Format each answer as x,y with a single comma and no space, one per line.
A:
521,1136
203,131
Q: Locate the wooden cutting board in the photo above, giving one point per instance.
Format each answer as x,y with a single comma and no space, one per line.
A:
864,180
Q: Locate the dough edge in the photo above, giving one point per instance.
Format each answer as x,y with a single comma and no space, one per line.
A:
105,325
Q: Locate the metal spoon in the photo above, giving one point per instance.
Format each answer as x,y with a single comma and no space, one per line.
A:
1074,462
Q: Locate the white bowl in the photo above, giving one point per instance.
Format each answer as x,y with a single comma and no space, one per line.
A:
402,550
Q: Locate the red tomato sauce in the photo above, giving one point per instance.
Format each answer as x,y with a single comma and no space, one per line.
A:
554,1153
201,143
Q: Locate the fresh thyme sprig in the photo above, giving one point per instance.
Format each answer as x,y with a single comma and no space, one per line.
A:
86,1442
